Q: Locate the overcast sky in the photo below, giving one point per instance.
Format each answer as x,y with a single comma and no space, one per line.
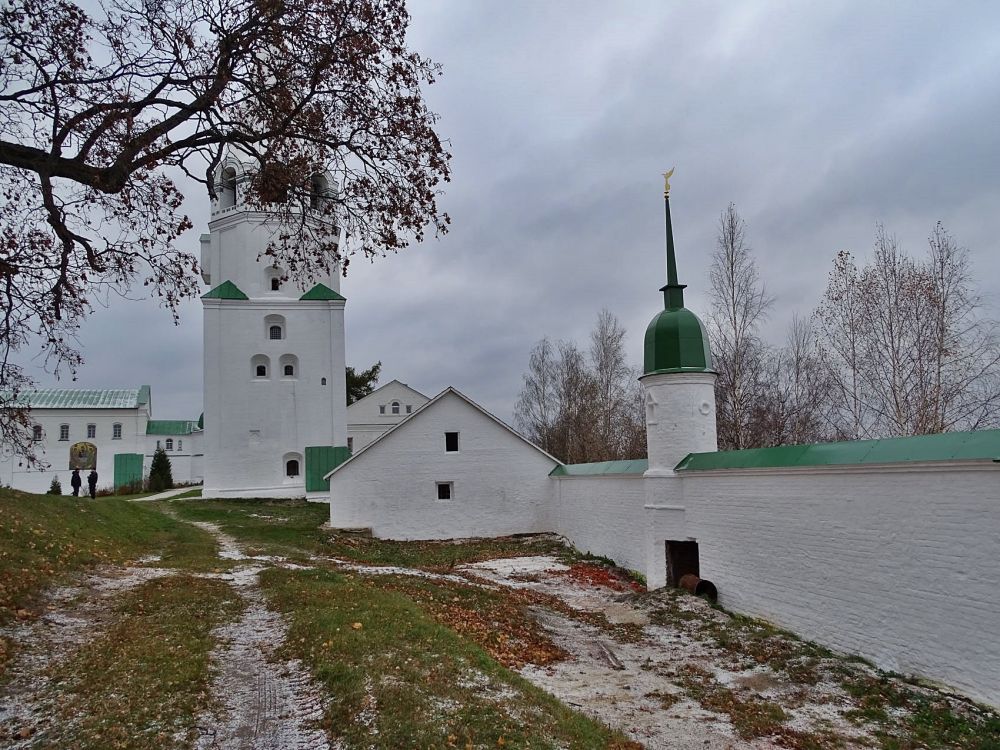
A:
816,119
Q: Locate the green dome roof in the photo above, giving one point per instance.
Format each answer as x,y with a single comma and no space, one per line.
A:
676,341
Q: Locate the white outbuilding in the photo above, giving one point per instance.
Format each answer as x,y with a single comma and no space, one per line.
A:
380,411
449,470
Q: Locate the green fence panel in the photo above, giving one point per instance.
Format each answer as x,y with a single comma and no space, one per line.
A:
320,460
128,469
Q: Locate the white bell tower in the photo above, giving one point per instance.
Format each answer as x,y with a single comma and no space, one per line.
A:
275,412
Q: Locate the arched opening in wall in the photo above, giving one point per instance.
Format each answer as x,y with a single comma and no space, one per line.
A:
273,278
395,407
319,192
227,188
260,366
273,182
289,366
170,444
293,465
274,327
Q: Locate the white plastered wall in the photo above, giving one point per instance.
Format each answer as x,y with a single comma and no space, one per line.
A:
501,483
55,452
371,416
897,564
602,515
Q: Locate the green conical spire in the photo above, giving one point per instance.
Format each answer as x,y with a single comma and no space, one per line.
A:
676,341
673,293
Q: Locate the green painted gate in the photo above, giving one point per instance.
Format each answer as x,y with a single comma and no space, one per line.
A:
128,469
320,460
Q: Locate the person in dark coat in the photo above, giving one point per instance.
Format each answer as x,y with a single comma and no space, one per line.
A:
75,482
92,483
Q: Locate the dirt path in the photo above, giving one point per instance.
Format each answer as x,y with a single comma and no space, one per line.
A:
263,703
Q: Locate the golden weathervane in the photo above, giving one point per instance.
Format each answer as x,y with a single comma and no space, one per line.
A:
666,181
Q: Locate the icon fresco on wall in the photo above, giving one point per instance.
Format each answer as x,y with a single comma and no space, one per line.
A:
83,456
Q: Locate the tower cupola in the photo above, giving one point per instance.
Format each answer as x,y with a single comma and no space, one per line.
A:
676,340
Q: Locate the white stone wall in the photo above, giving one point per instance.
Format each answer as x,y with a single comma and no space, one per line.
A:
56,452
186,462
602,515
501,483
253,424
371,416
898,564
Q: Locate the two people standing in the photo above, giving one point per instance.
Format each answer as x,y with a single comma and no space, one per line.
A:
75,482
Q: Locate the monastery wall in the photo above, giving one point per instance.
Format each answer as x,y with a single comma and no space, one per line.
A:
897,564
602,515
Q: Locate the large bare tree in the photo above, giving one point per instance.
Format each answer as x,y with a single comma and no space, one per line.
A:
906,342
101,113
740,304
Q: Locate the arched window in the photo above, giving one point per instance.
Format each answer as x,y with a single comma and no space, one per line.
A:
322,381
227,189
395,407
259,365
274,327
293,465
289,365
170,444
272,278
319,192
180,443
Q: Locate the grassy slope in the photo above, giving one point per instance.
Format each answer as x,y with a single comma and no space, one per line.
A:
141,683
398,679
43,538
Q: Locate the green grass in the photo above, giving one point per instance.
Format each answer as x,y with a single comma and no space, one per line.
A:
43,537
140,684
399,679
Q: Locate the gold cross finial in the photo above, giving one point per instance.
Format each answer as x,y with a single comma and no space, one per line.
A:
666,181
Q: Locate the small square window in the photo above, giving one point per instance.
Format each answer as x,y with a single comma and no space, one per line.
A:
445,490
451,442
91,431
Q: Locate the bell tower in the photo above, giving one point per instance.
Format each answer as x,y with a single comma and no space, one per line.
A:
274,372
678,381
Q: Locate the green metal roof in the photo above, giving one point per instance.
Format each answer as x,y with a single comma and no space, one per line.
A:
75,398
601,468
322,292
676,341
170,427
947,446
225,290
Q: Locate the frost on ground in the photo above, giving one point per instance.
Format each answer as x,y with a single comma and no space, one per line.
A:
71,616
265,704
666,684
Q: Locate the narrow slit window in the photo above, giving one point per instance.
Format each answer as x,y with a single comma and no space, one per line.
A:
451,442
180,444
445,490
381,409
